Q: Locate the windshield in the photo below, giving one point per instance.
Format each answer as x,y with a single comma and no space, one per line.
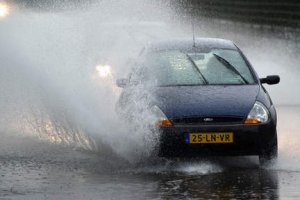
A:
174,67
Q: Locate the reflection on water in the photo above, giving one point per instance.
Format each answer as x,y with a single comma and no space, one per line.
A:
232,184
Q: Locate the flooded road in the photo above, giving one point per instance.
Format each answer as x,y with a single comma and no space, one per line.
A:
33,169
60,137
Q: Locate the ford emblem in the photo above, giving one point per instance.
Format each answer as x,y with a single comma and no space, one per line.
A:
208,119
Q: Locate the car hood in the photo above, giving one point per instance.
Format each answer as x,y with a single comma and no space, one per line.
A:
186,101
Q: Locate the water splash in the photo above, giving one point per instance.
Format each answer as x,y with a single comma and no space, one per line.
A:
50,81
50,86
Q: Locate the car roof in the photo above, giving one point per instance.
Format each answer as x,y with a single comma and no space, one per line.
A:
188,44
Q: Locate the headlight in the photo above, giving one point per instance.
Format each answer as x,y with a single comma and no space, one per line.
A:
259,114
4,10
103,71
160,117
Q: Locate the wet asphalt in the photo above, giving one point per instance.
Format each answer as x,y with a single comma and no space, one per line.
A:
35,169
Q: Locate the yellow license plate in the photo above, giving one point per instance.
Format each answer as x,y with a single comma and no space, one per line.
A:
196,138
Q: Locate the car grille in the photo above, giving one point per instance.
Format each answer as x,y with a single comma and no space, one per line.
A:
208,120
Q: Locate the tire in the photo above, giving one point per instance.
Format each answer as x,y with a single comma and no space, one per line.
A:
270,153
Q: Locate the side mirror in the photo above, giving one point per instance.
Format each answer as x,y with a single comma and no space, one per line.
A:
122,82
271,80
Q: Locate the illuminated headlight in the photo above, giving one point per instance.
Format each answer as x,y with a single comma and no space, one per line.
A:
4,10
160,117
103,71
259,114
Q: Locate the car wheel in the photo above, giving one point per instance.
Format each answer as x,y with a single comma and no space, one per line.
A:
269,154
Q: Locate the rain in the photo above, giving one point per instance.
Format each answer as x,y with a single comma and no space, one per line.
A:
63,135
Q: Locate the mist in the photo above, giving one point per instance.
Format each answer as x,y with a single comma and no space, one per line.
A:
50,87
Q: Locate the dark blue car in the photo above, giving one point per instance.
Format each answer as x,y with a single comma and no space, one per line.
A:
207,99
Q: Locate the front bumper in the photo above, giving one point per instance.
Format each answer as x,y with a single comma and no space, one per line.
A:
248,140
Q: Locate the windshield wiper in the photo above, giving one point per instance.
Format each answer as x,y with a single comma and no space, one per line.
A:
176,85
229,66
196,67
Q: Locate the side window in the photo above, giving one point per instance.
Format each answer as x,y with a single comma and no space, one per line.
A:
138,75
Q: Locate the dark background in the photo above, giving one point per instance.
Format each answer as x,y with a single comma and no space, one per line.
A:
284,13
268,12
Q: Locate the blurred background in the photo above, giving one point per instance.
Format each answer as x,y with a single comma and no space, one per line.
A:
270,26
268,13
